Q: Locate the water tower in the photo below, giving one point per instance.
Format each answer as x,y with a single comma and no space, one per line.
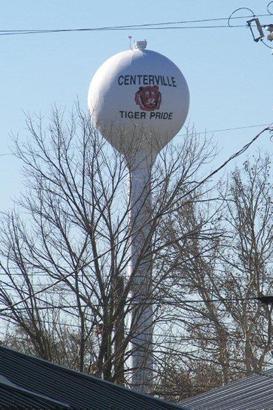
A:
139,101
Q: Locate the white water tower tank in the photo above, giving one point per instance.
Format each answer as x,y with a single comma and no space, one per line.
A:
138,97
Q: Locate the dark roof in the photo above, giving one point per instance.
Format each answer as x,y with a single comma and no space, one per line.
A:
18,398
250,393
30,378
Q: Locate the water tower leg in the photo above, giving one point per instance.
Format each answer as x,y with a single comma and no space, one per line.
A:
141,271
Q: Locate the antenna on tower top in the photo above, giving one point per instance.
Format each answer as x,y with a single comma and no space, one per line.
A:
130,42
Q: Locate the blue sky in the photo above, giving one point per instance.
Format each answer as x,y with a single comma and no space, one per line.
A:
229,75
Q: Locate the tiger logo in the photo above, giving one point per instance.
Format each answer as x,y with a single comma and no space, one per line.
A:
148,98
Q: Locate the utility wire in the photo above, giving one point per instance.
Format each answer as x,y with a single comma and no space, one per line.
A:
232,129
243,127
144,303
165,335
167,25
233,156
27,32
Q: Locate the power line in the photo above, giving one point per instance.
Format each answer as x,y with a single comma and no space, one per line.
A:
243,127
233,156
61,323
232,129
158,302
167,25
52,31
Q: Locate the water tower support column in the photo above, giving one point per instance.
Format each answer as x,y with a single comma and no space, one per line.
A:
141,271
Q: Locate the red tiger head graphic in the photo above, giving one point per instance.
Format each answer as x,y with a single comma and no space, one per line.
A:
148,98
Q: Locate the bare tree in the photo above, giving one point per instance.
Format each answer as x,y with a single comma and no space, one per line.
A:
220,261
247,260
66,285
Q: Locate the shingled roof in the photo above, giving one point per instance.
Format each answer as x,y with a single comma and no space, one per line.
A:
250,393
29,382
